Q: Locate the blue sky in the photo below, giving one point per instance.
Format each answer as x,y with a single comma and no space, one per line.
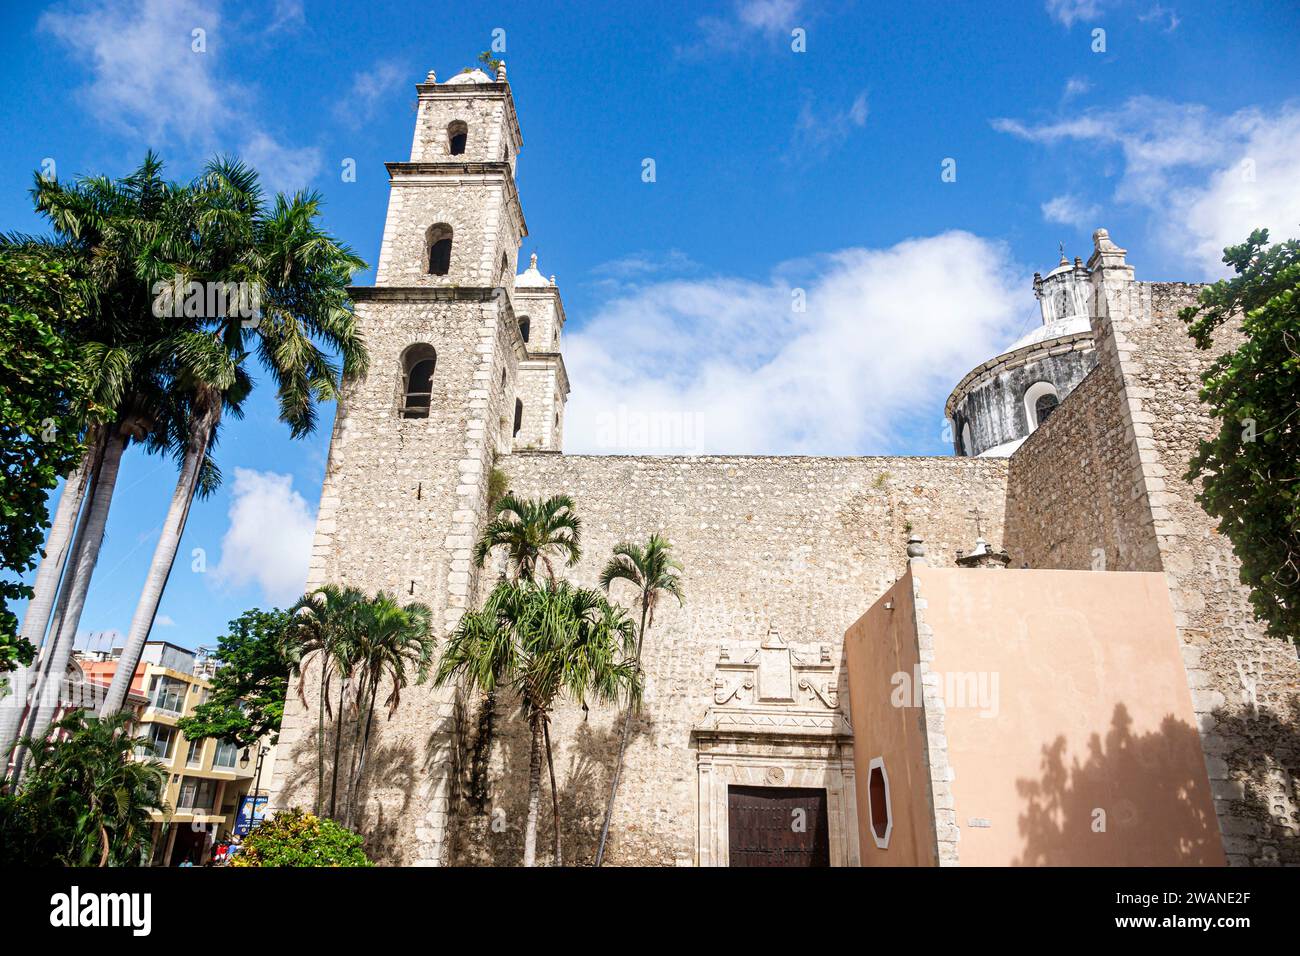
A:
775,170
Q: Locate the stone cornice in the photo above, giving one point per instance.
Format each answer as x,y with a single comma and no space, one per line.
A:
459,91
453,170
548,360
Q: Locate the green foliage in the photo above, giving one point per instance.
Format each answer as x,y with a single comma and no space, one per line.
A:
85,800
498,485
532,530
248,690
487,63
42,414
295,837
1250,470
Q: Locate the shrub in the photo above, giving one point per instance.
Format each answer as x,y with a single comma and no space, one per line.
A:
295,837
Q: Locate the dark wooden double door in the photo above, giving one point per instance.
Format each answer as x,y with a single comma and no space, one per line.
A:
777,826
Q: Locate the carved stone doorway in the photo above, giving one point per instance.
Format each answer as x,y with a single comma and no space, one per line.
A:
777,826
775,723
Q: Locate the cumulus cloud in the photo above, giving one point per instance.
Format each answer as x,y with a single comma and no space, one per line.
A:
1210,178
268,542
157,72
727,364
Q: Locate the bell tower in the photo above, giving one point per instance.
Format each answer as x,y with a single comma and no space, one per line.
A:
415,439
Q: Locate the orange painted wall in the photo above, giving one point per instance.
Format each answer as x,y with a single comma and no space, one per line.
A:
1090,715
880,643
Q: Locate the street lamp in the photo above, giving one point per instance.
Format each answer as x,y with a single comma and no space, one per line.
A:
262,751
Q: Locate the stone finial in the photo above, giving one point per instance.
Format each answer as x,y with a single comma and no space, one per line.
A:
915,548
432,77
532,261
1107,255
552,280
501,72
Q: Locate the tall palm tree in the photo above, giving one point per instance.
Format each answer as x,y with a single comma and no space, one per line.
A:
87,785
300,274
546,642
393,637
653,572
320,622
532,530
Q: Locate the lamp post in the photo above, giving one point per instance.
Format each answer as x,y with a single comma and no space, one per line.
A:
262,751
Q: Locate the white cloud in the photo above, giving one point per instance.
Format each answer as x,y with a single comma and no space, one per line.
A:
1075,86
769,19
1207,178
817,132
269,539
1159,13
1070,12
369,88
164,620
147,79
728,365
1069,210
282,168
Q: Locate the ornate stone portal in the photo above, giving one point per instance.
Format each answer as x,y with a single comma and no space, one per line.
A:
775,722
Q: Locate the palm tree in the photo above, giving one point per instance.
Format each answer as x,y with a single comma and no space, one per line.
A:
652,571
320,624
532,530
391,637
301,276
545,642
88,787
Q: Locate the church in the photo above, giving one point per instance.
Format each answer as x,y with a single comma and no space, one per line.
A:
1034,651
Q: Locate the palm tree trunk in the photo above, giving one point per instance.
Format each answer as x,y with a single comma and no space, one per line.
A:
320,732
58,547
206,415
622,748
534,791
555,796
45,696
338,739
361,763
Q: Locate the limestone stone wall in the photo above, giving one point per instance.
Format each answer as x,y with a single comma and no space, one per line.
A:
492,130
1074,499
804,545
540,389
1245,686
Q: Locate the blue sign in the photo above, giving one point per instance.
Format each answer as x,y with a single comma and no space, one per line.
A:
252,810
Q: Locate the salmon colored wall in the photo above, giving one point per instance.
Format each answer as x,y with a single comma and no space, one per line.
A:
102,672
1091,715
878,645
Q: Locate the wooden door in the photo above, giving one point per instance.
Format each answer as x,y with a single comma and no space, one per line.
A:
777,826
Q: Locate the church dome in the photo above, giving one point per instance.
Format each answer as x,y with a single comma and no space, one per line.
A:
530,278
473,76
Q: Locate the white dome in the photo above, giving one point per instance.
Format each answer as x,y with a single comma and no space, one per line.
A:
530,278
1053,330
473,76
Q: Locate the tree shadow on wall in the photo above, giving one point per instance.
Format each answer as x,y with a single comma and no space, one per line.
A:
584,764
1136,800
1264,822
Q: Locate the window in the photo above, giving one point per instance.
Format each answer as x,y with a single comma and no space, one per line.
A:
967,444
1040,399
523,327
195,756
418,365
196,794
168,694
224,758
882,817
519,417
438,240
457,134
159,739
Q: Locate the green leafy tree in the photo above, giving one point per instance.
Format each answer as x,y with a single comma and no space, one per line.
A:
246,702
544,642
86,799
295,837
43,408
652,571
1250,470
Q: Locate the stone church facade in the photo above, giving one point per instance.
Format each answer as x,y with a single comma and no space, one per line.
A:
746,684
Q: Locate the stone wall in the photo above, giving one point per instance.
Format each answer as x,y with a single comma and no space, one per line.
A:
803,545
1245,686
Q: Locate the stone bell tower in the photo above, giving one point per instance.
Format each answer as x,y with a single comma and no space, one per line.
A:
415,438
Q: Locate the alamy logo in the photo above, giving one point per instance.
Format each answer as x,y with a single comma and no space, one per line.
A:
74,909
